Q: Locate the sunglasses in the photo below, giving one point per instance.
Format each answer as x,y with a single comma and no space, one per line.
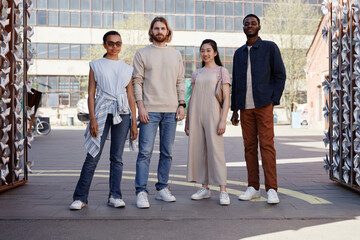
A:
112,44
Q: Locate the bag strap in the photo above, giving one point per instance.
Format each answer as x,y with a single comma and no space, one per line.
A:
220,79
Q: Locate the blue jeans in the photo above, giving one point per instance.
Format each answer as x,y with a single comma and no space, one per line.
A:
119,133
167,126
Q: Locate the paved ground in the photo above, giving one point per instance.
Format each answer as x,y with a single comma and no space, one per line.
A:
312,206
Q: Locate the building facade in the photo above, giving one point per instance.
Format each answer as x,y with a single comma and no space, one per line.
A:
65,30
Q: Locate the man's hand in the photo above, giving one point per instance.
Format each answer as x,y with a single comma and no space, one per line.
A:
180,113
235,118
143,114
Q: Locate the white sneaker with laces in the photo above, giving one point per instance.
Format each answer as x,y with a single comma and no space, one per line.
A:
116,202
77,205
142,200
201,194
224,198
165,195
272,197
249,194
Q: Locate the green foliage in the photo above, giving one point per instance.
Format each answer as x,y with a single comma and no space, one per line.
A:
293,24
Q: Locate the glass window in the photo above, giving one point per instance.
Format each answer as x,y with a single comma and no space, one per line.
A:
64,18
189,53
160,6
149,5
248,8
238,9
139,6
43,100
53,99
181,50
229,7
42,83
85,19
117,18
96,19
229,24
85,4
190,23
64,4
64,51
229,67
41,4
200,7
189,6
64,99
85,51
41,18
209,8
170,6
31,19
189,68
171,20
53,50
75,4
107,20
74,98
53,83
52,4
128,5
210,23
229,52
200,24
258,9
53,18
75,19
64,83
238,24
41,50
180,8
219,23
75,51
107,5
219,8
180,22
118,6
84,84
74,84
221,51
96,5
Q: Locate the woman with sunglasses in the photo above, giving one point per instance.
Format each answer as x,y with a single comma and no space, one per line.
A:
110,80
206,123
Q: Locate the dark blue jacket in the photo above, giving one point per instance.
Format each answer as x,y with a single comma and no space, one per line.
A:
268,75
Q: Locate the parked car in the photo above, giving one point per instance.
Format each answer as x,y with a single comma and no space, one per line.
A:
83,110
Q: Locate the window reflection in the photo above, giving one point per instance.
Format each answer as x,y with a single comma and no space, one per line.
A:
41,18
53,18
85,19
64,18
75,19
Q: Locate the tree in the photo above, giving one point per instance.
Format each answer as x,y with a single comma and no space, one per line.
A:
133,35
292,24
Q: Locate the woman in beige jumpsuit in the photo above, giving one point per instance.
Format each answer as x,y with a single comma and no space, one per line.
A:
206,123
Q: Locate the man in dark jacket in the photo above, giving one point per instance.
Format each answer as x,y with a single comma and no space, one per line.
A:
258,82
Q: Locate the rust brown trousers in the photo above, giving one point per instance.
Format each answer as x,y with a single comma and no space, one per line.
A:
258,127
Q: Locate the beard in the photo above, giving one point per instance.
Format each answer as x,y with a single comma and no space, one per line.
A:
252,34
159,38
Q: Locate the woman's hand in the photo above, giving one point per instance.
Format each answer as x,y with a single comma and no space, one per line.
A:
94,128
186,129
221,127
133,131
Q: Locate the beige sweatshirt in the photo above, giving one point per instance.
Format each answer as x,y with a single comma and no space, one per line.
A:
158,78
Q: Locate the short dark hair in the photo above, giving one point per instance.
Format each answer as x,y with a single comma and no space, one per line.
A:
252,15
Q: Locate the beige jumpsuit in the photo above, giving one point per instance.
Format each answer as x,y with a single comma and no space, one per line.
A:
206,156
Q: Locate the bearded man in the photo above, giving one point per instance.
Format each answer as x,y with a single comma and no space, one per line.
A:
258,82
159,91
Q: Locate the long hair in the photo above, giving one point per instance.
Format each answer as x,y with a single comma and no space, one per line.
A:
214,47
164,21
108,34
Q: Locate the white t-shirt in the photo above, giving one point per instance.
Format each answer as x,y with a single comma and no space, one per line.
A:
249,101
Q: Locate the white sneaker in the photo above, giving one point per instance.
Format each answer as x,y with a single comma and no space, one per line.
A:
224,198
77,205
165,195
142,200
249,194
116,202
272,197
201,194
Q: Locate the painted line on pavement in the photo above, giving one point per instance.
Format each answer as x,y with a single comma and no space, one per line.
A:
75,173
